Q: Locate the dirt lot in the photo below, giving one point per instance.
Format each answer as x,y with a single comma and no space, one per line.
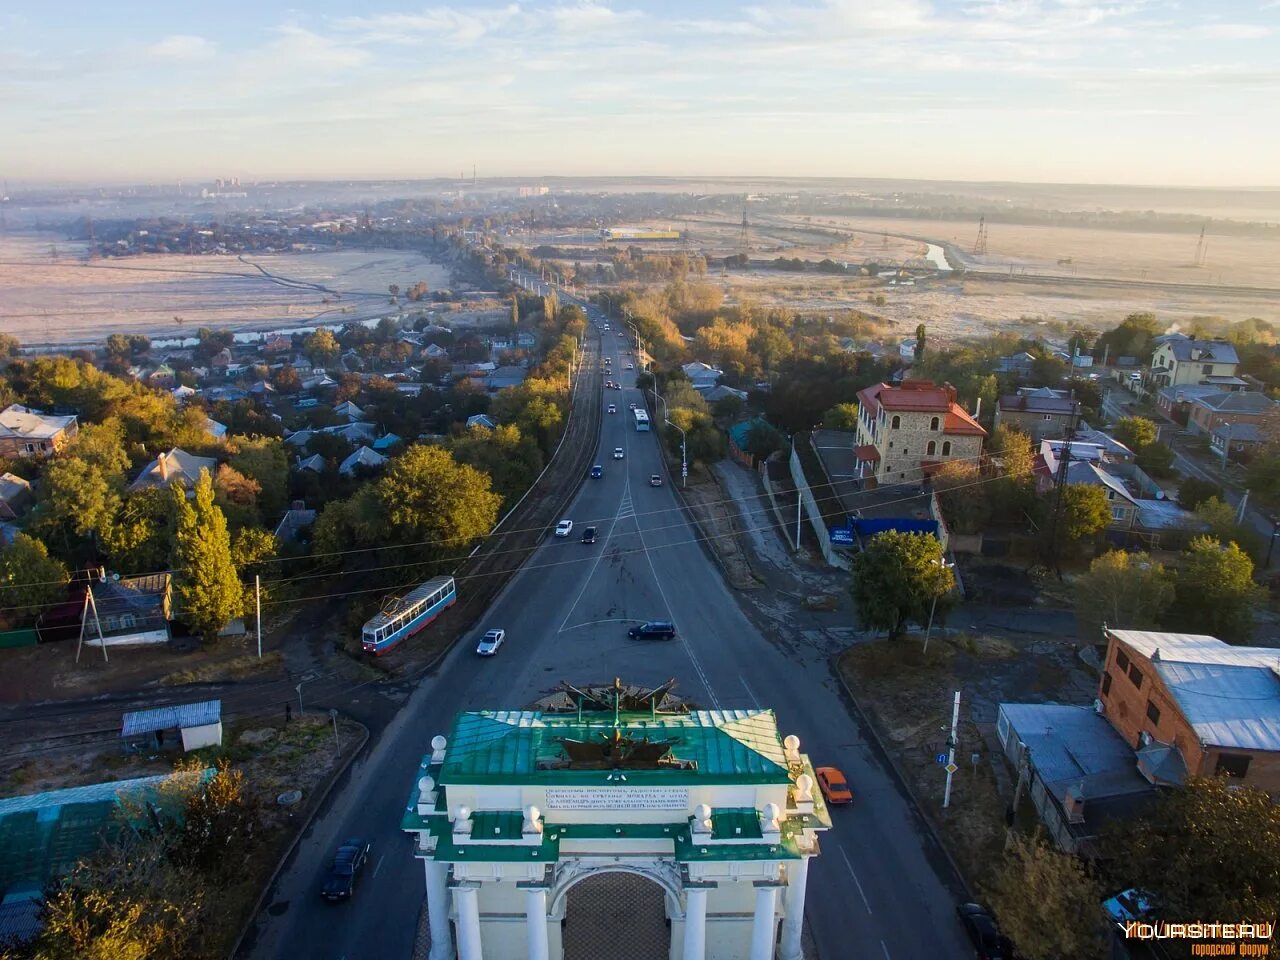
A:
908,694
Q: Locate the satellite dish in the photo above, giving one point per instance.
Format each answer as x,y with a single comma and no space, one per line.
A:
115,576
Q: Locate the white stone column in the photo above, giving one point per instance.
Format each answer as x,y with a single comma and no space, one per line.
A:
762,927
438,910
535,919
695,923
466,899
793,902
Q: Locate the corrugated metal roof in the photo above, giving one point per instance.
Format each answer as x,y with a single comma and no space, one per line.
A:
166,718
1072,744
1195,648
507,746
1227,704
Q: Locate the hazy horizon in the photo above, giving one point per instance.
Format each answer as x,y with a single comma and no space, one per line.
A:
1065,92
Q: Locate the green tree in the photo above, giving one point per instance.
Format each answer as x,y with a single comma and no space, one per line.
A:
140,540
1126,591
1214,592
896,580
963,496
30,579
921,340
1220,519
217,820
101,445
1085,511
208,591
763,439
1193,491
76,497
264,460
1208,849
843,416
1048,903
321,347
512,460
1135,432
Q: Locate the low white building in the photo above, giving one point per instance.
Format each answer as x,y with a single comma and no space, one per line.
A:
683,834
193,725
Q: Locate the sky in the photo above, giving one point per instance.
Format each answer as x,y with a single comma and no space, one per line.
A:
1077,91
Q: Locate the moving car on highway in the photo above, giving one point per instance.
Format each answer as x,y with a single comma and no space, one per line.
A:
597,472
617,453
655,480
564,528
347,864
589,535
653,630
613,408
490,642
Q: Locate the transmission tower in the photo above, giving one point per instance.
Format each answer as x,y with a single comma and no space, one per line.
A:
1202,247
744,237
980,245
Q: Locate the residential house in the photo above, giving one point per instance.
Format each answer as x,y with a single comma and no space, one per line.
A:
303,365
386,442
182,393
481,420
720,392
274,346
1209,413
1175,402
15,496
1018,364
349,410
434,351
353,432
1237,440
363,457
220,361
1077,770
1039,412
225,394
504,377
29,433
907,350
410,389
127,611
907,430
214,429
162,377
319,380
1181,360
1191,705
300,438
739,435
297,520
175,466
701,374
1112,449
314,463
1087,464
262,389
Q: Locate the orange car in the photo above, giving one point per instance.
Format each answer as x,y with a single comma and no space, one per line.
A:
833,785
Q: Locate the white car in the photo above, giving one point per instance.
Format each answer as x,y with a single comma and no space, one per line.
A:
631,366
490,642
617,454
613,408
565,527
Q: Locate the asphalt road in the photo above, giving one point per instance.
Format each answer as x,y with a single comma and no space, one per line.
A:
879,890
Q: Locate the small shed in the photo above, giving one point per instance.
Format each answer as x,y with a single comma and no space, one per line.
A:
197,724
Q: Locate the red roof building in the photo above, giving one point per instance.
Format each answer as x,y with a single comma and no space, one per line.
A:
903,428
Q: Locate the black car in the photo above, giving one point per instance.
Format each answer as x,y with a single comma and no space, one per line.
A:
589,535
653,630
981,927
347,864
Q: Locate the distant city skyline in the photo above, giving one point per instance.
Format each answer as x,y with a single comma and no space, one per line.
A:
1064,91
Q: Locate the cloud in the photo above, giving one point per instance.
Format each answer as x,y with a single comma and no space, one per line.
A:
589,17
447,24
182,46
1235,31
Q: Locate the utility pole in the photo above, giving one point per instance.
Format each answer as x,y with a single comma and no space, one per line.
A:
299,689
337,743
257,602
1060,485
951,752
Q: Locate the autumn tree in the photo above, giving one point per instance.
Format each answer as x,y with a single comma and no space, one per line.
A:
1127,591
1048,903
30,579
963,496
1194,491
897,578
1135,432
512,460
206,586
264,461
321,347
843,416
1085,512
1214,592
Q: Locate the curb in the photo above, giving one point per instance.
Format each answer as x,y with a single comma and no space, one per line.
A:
899,777
317,801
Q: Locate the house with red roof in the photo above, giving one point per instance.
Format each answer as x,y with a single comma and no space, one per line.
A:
907,431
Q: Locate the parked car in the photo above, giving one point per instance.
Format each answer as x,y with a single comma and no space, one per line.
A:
564,528
834,787
617,453
490,642
653,630
980,925
347,864
597,472
589,535
655,480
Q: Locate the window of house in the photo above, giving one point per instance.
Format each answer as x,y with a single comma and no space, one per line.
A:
1208,369
1153,713
1122,659
1048,416
128,621
1117,513
1232,764
946,448
1106,682
932,448
31,448
905,451
1135,676
897,422
933,424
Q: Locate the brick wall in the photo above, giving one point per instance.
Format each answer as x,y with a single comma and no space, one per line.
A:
903,448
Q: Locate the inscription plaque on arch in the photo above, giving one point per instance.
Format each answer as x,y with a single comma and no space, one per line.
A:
617,798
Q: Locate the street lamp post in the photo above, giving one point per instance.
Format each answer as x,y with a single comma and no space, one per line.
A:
933,608
684,458
1275,532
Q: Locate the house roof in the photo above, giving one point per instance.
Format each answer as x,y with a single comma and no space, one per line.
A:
175,466
363,457
1187,392
314,462
23,423
1230,695
921,396
1037,403
1240,432
481,420
166,718
867,453
1108,444
1236,401
512,747
13,486
386,441
739,432
1071,745
1203,351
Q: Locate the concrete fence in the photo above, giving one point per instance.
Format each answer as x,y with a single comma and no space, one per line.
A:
816,519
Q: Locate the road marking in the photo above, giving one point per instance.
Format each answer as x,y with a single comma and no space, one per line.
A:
886,951
613,525
627,509
858,882
755,701
592,623
378,865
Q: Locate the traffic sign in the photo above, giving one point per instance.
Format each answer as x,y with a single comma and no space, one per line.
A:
940,759
951,768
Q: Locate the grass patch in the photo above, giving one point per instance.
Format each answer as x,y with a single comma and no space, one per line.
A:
237,668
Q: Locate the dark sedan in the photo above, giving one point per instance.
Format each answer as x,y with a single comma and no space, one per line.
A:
347,864
980,925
